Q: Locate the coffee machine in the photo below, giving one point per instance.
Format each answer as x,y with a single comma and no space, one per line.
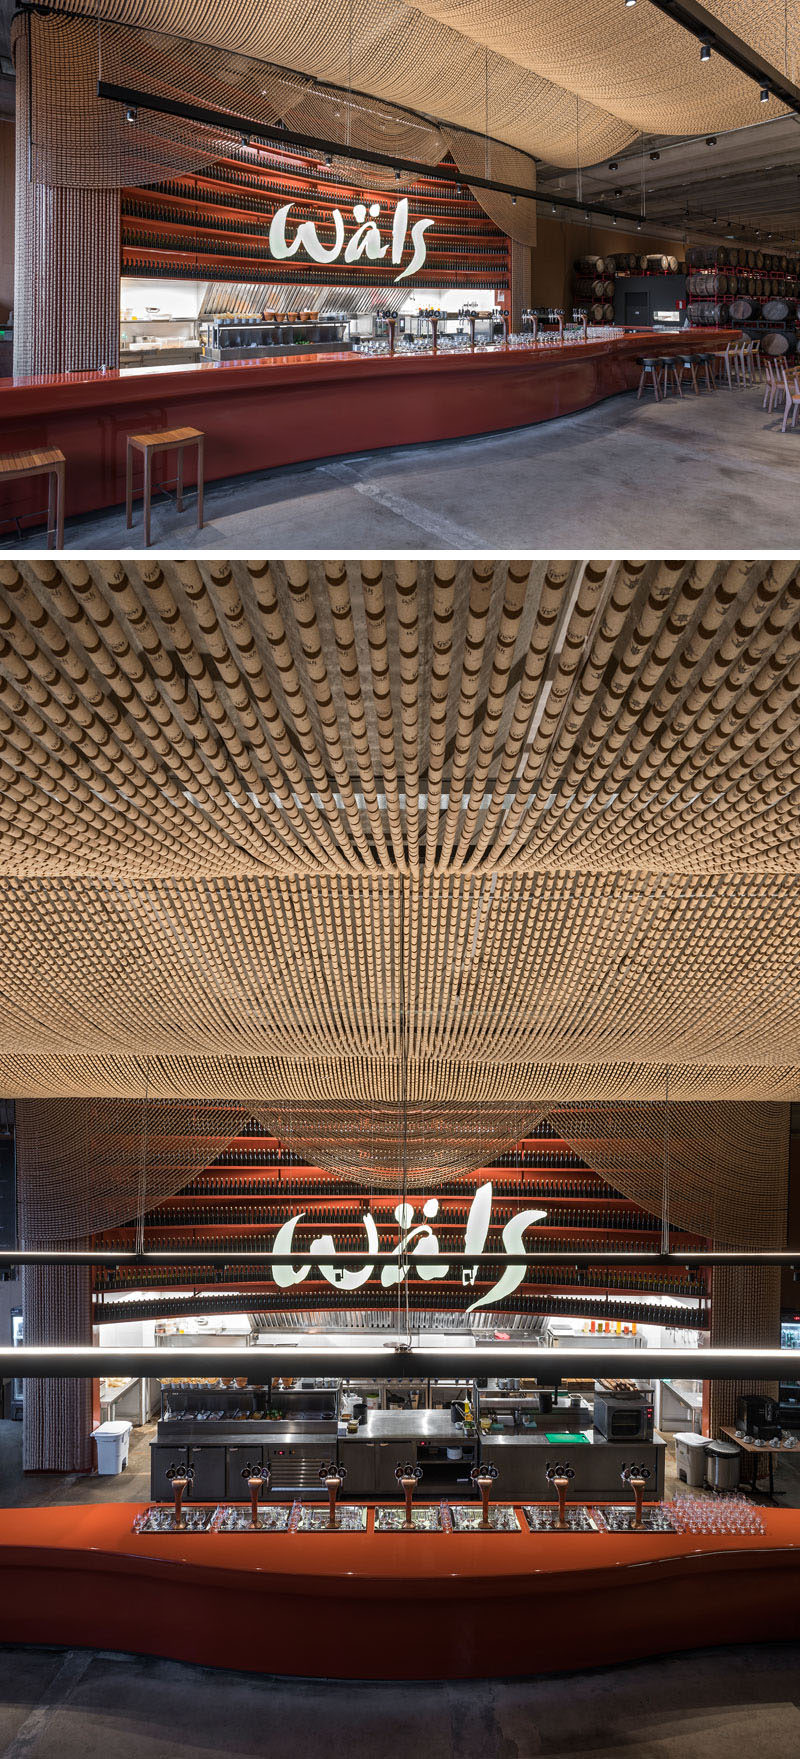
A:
757,1416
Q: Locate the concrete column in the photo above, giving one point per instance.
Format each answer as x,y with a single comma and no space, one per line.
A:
67,256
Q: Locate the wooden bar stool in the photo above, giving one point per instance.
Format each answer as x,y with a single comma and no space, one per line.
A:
149,445
649,372
51,464
669,371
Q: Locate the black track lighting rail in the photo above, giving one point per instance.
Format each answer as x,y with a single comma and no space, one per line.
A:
400,1360
712,33
133,99
112,1260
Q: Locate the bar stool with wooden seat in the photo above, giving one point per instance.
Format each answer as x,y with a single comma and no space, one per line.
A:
51,464
149,445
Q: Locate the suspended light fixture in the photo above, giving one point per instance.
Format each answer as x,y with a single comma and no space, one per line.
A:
705,51
764,94
131,114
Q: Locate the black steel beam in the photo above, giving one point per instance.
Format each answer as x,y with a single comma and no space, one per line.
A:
707,28
402,1360
111,1260
287,138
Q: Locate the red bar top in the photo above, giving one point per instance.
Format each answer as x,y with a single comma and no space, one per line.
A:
390,1606
447,1563
261,415
26,395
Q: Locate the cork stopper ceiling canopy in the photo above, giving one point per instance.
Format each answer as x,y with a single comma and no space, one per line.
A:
569,81
320,839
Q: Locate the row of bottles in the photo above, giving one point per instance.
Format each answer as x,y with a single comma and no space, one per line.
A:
270,188
244,244
184,265
438,1299
255,1215
194,211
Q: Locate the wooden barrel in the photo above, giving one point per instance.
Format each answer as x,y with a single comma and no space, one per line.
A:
596,313
775,342
608,313
611,265
708,312
590,289
589,265
775,311
743,309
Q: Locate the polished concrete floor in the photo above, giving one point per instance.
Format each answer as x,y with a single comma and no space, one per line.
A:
80,1704
711,472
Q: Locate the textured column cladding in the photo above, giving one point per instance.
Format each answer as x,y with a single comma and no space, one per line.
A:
521,267
745,1310
66,281
57,1414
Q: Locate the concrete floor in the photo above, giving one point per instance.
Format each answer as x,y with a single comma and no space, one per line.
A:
711,472
80,1704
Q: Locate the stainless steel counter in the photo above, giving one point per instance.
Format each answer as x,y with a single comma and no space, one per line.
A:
409,1426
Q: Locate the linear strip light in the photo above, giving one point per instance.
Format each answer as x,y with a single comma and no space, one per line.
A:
398,1359
164,1260
131,98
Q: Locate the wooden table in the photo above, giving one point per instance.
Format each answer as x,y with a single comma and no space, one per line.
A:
759,1451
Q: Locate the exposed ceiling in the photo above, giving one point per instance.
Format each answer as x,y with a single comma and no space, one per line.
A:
490,833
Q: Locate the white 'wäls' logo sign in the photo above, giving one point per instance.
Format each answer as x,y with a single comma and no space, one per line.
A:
425,1243
365,242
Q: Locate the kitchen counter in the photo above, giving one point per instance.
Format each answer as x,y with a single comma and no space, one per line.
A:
259,415
410,1426
390,1606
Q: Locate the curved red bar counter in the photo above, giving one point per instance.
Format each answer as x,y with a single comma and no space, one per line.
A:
390,1606
258,415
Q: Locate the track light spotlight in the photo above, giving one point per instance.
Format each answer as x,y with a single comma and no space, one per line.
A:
131,114
705,51
613,165
655,155
764,94
397,176
328,159
711,140
630,2
513,201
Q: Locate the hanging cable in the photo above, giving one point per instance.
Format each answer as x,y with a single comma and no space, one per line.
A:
142,1195
665,1182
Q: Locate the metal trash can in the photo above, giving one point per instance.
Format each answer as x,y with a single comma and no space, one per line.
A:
723,1464
690,1458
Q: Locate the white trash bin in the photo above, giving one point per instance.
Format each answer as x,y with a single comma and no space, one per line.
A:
690,1458
113,1441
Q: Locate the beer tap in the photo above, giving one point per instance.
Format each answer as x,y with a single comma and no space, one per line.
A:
560,322
471,320
637,1477
333,1477
483,1478
391,324
506,327
534,323
435,332
560,1476
181,1478
408,1478
584,326
257,1477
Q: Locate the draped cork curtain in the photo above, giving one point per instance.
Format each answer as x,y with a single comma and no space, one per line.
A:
83,1166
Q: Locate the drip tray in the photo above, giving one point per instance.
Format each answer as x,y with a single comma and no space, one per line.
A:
543,1518
161,1519
618,1518
467,1518
350,1518
236,1518
427,1518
